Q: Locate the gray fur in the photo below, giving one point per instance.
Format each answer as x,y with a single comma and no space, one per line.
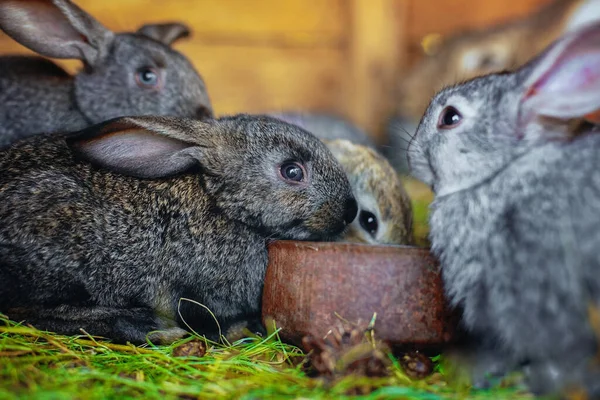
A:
37,96
515,223
83,246
327,127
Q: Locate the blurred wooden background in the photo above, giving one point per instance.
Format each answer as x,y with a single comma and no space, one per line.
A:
341,56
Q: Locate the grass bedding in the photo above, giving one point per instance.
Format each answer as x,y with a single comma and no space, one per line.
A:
42,365
36,364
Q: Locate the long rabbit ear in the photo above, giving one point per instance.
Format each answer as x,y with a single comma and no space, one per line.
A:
582,13
56,28
143,147
165,33
565,82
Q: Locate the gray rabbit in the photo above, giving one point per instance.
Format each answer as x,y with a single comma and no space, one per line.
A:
107,228
515,166
124,74
327,127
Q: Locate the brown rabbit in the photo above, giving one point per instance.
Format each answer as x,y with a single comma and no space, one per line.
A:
384,208
478,52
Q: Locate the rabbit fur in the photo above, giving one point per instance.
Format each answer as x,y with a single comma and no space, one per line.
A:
106,229
476,52
384,207
516,215
326,126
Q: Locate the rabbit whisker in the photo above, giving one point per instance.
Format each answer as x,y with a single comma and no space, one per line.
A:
405,139
411,136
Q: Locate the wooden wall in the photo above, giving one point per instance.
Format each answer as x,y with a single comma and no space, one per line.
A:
341,56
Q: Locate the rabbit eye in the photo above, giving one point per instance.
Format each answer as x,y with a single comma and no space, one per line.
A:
292,171
147,77
368,221
449,118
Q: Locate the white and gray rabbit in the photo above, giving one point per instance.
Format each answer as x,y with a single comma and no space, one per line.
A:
515,222
135,73
108,228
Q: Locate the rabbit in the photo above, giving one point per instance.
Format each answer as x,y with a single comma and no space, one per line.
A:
516,215
107,228
384,207
327,126
134,73
476,52
385,213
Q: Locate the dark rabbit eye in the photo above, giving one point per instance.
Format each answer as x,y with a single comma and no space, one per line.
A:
449,118
368,221
292,171
147,77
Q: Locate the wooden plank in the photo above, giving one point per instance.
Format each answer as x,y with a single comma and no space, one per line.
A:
257,78
262,79
295,22
433,16
374,55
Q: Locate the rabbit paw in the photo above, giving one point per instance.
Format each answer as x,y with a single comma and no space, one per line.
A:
167,336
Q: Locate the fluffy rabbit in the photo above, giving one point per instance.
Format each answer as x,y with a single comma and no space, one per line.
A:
473,53
108,228
384,208
124,74
385,213
516,217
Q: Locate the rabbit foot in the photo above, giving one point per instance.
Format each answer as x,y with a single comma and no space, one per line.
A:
167,336
121,325
238,330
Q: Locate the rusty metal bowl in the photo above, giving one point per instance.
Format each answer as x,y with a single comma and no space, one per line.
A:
308,283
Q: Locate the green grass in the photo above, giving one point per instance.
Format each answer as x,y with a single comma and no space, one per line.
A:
421,197
36,364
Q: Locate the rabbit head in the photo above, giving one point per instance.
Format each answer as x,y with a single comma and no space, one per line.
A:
473,130
384,208
460,57
478,52
271,176
124,73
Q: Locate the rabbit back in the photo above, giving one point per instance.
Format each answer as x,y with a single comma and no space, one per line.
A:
108,240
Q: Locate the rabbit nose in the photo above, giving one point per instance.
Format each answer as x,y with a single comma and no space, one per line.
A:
351,210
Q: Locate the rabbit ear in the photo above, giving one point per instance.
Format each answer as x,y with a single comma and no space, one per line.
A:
584,13
165,33
565,81
56,28
143,147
